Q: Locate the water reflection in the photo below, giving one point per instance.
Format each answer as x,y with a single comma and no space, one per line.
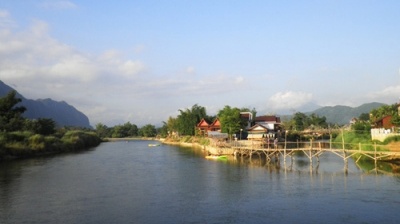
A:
326,164
379,167
128,182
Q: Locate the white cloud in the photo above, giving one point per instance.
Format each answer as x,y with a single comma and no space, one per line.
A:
130,68
239,80
5,19
75,67
288,100
390,94
98,85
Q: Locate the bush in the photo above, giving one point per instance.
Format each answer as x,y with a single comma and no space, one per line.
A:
36,142
187,139
204,141
76,140
18,136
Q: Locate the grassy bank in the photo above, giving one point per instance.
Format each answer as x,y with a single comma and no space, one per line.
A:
14,145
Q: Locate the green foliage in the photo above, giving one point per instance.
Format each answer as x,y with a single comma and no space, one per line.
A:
301,121
172,125
123,131
353,140
76,140
230,120
42,126
102,130
187,139
148,131
395,138
188,119
163,131
385,110
204,141
364,117
10,115
36,142
361,127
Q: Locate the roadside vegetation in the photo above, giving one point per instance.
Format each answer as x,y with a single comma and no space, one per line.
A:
21,137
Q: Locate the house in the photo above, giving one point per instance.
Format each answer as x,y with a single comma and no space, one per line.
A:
265,127
204,127
259,132
247,117
215,126
385,122
271,122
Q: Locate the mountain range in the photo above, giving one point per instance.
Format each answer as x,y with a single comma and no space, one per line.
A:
343,114
61,112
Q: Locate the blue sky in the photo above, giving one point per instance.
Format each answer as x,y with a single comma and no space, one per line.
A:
142,61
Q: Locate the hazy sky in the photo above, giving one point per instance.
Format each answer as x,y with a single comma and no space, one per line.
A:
142,61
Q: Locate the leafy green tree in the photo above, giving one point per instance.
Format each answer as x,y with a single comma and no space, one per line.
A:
163,131
42,126
230,120
382,111
125,130
189,118
299,121
148,131
102,130
386,110
131,129
363,117
317,121
361,127
172,124
11,115
119,132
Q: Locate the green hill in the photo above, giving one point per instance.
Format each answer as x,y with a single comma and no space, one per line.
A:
343,114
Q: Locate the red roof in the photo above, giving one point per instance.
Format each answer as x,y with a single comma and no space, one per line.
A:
202,123
216,123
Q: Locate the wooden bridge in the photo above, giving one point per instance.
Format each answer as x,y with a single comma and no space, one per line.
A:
313,149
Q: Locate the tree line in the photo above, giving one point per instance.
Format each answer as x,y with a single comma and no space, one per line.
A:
22,137
127,130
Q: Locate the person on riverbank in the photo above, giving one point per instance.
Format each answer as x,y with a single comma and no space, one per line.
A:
276,143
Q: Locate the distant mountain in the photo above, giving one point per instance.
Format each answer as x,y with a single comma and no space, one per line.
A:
61,112
343,114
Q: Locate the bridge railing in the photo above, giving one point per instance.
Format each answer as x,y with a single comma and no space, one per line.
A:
315,145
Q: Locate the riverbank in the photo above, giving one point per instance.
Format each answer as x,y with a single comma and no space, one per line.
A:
127,139
209,149
21,145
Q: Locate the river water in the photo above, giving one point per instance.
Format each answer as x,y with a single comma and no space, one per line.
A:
129,182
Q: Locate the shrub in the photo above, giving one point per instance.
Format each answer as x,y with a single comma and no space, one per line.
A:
36,142
186,138
76,140
204,141
18,136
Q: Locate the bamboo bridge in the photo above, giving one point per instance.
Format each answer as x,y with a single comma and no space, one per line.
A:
312,150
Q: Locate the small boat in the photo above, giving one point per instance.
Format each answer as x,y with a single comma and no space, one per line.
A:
216,157
154,145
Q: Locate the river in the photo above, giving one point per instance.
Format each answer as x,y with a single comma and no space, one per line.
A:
129,182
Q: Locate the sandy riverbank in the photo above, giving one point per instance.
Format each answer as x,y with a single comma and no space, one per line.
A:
210,149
